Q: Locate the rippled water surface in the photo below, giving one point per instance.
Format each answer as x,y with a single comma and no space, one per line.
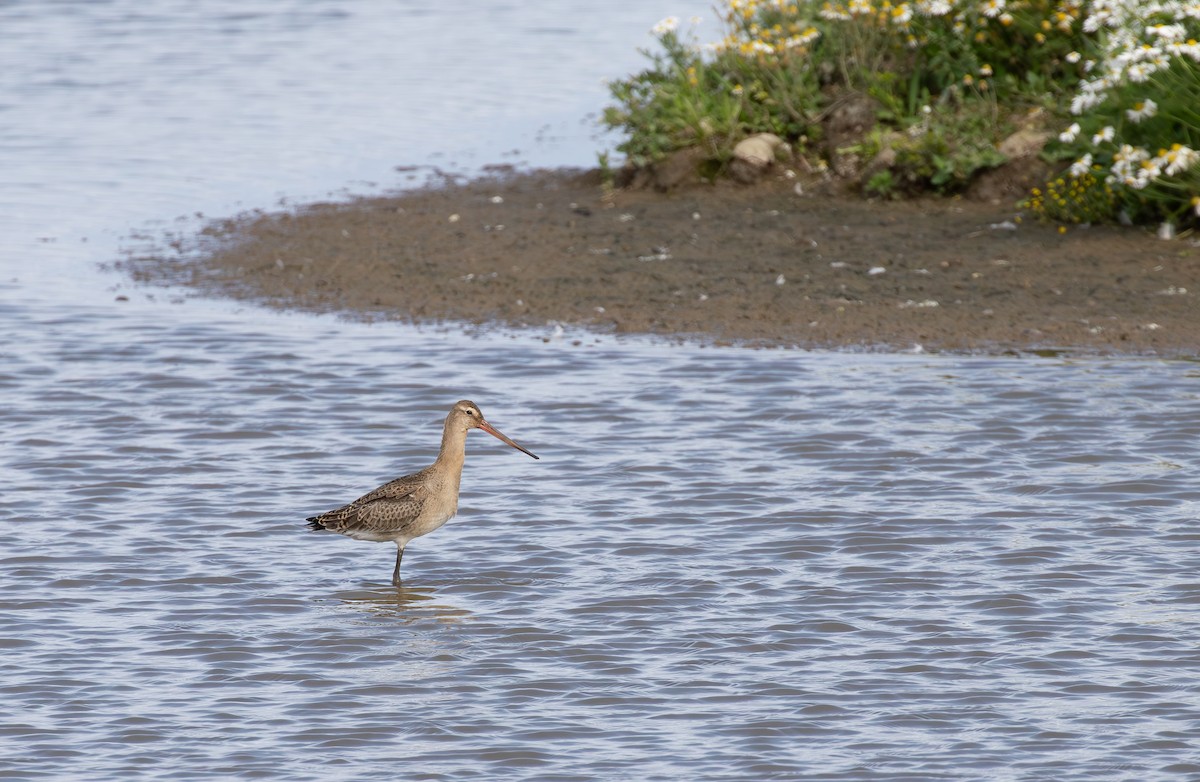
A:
119,114
728,564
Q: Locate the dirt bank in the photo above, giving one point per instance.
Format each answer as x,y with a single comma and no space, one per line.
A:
722,263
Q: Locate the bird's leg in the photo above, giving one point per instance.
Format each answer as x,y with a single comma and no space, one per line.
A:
396,572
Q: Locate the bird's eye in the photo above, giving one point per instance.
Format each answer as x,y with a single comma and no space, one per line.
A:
471,412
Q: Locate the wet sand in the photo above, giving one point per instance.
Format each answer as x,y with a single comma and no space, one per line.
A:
758,265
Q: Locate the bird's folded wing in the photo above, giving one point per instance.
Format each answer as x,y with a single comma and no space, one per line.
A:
388,508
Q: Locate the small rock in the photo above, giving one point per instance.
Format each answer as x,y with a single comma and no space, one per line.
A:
758,150
660,254
753,156
1025,143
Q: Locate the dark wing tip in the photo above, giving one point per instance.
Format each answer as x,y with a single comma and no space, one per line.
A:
314,523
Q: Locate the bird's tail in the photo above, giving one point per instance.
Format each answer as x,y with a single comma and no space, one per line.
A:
314,524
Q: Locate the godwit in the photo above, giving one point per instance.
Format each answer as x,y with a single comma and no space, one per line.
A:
416,504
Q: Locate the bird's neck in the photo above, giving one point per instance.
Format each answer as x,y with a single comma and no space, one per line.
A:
454,449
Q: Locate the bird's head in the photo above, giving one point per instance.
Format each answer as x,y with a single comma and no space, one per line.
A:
468,415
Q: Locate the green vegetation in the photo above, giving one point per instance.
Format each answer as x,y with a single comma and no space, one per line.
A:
946,81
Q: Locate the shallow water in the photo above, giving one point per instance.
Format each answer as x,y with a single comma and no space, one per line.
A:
728,564
132,115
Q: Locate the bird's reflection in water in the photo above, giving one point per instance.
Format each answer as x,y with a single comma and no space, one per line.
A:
408,604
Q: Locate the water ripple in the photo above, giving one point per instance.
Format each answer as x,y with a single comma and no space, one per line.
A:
861,567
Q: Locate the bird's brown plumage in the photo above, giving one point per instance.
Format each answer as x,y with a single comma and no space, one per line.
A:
416,504
380,514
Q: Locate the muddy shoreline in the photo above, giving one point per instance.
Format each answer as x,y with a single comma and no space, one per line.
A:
761,265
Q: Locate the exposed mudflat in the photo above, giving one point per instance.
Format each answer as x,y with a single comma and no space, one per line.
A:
724,263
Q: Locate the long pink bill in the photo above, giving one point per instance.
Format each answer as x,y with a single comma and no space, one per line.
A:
494,432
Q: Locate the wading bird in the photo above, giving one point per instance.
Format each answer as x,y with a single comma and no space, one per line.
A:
416,504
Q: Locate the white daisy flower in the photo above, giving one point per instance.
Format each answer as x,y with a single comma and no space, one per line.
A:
1068,135
992,8
1167,32
1142,110
1177,159
902,14
1105,134
664,26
